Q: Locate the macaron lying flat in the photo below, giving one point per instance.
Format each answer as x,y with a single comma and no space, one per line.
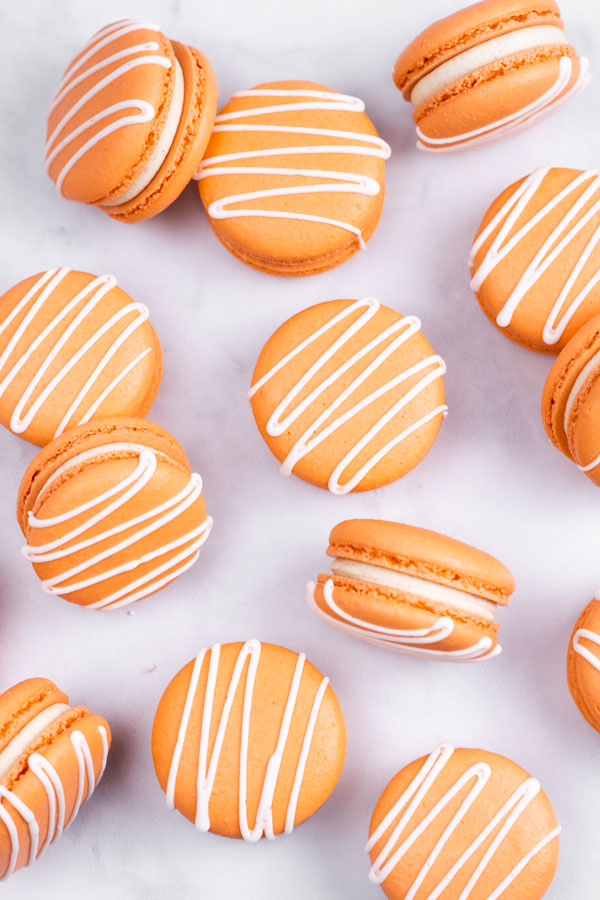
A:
488,71
293,177
276,747
583,663
571,400
111,512
130,121
460,824
52,756
73,347
411,590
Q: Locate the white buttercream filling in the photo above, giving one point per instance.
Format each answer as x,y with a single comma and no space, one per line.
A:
579,382
28,734
482,55
97,451
420,587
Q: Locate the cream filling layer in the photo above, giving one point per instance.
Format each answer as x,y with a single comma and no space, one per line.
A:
579,382
482,55
420,587
165,142
28,734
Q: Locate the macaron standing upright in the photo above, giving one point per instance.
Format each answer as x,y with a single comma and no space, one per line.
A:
583,663
130,120
487,71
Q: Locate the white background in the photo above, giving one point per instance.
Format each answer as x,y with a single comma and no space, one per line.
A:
492,478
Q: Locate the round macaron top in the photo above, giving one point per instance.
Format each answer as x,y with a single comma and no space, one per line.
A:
22,702
471,821
583,663
277,747
73,346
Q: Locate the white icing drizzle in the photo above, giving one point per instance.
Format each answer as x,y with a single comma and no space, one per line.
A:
135,55
402,640
326,423
33,305
556,242
591,636
207,768
343,182
502,822
545,105
50,780
149,522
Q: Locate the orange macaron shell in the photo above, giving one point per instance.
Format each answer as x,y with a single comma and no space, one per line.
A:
583,678
22,702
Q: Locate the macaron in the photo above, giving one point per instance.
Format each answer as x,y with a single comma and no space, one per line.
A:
348,395
111,513
535,258
52,756
411,590
571,400
583,663
248,740
130,120
488,71
293,178
463,823
73,347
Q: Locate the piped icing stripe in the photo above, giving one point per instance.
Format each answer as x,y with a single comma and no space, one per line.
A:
570,225
412,641
494,833
337,182
327,422
208,766
50,780
181,553
587,635
76,313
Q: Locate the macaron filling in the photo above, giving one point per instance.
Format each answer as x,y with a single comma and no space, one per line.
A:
579,382
28,735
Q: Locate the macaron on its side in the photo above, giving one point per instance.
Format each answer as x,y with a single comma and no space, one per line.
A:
583,663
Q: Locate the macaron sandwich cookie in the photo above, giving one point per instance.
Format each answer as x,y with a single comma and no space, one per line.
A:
348,395
52,756
488,71
463,824
411,590
248,740
111,512
583,663
536,255
130,120
293,177
73,347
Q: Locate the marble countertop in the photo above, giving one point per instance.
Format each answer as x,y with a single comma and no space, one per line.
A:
492,479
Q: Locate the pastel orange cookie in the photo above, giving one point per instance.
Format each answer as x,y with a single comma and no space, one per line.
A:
463,824
411,590
348,395
111,513
583,663
73,347
293,177
52,756
248,740
488,71
130,120
535,258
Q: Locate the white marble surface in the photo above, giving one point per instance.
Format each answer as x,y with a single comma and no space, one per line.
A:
492,478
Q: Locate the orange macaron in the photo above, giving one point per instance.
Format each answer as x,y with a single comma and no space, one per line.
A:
583,663
248,740
73,347
52,756
487,71
463,823
111,513
348,395
130,120
411,590
293,178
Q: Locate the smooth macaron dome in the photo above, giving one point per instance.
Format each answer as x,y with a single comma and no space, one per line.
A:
463,823
348,395
248,740
583,663
411,590
487,71
111,513
535,257
52,756
293,177
73,347
130,120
